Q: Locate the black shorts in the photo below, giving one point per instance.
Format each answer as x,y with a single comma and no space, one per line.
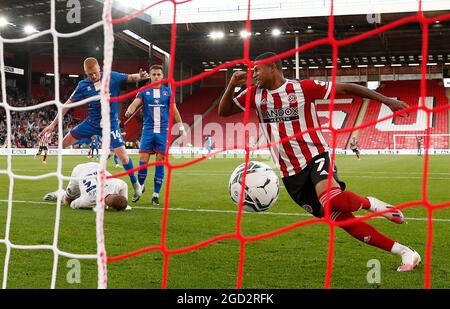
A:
43,148
355,150
302,186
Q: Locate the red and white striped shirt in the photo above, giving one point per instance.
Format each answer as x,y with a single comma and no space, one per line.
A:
45,139
285,111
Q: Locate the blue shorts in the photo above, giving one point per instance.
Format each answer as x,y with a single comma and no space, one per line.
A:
87,129
153,142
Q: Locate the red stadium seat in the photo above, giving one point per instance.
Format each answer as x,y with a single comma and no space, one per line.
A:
408,91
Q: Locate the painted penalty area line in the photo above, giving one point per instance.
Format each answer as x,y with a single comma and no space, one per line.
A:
291,214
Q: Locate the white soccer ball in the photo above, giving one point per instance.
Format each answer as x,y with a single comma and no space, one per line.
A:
262,186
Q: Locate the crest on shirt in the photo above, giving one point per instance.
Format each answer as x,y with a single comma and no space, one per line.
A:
263,101
88,88
147,93
165,93
292,98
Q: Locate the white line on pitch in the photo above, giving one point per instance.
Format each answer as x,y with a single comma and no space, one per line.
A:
342,174
266,213
225,211
179,171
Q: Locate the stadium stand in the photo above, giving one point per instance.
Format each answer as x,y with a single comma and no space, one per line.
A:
345,112
231,127
409,91
25,126
198,103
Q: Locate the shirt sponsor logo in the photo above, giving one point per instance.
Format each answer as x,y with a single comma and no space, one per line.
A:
280,115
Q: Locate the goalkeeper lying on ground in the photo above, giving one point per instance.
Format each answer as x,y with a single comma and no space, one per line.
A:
81,191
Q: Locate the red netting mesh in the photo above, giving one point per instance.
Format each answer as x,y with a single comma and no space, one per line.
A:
335,44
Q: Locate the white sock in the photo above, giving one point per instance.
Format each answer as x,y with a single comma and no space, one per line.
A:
155,194
397,249
372,207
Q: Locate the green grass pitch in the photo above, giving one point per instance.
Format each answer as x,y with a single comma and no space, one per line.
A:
200,209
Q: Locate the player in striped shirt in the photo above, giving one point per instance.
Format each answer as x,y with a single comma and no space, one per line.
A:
90,87
355,147
44,141
156,102
286,107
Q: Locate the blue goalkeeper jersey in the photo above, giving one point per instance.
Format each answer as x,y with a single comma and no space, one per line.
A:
156,109
86,89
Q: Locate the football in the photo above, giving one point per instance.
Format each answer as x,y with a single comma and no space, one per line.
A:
262,186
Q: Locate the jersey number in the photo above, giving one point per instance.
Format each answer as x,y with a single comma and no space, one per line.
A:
321,164
89,186
116,135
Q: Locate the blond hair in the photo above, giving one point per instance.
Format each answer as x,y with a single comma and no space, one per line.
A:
90,62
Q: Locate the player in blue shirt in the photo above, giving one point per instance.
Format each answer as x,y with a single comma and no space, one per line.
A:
90,87
95,143
156,102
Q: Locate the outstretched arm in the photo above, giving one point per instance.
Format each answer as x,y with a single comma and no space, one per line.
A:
53,124
366,93
226,106
133,107
137,77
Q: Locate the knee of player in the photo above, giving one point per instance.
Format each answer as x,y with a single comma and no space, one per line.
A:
160,156
123,157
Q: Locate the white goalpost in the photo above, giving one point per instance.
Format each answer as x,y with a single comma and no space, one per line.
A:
100,255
